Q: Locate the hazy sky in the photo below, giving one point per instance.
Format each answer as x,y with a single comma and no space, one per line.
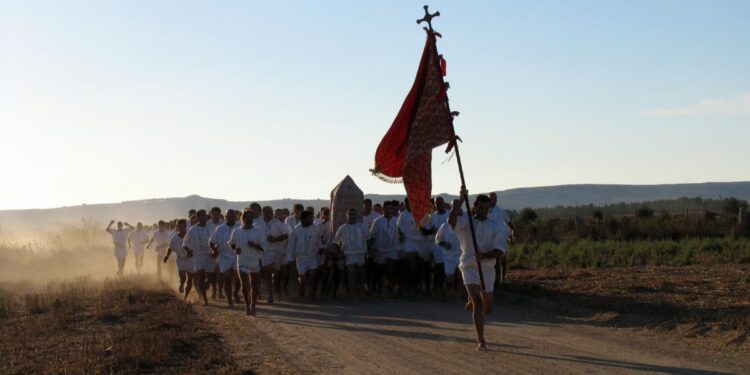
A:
105,101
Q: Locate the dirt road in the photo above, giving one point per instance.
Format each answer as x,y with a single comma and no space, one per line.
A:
401,337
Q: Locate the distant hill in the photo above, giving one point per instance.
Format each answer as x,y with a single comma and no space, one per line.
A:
573,195
536,197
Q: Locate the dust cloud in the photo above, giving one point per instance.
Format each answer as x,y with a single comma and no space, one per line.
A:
68,251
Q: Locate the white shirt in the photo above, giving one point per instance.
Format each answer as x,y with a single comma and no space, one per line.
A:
240,237
437,220
385,233
196,239
275,228
291,221
498,214
259,222
220,237
409,227
367,220
160,240
212,226
446,234
301,242
322,235
490,234
175,243
138,239
120,237
352,238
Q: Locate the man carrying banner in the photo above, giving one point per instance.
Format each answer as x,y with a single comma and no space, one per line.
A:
492,242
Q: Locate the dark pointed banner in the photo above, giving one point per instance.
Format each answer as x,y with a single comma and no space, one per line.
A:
423,123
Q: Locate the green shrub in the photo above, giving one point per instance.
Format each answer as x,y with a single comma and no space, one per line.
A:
590,253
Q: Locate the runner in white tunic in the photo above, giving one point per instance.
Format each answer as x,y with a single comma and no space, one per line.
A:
160,241
282,274
448,242
120,240
492,241
437,219
498,214
276,235
185,268
330,264
137,241
301,248
384,236
227,259
196,245
418,249
246,242
212,271
351,239
368,217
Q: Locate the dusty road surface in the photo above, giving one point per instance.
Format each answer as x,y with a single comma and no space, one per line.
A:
401,337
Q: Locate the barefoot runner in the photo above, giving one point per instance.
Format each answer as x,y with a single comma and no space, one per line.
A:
185,268
196,245
246,242
160,241
301,247
120,240
492,240
227,259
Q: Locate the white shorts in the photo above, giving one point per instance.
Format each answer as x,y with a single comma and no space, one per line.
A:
253,267
450,263
279,259
355,259
121,252
185,264
470,275
422,248
437,253
138,252
203,262
227,263
382,256
267,258
307,264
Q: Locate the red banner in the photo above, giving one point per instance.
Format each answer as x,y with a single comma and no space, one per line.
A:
423,123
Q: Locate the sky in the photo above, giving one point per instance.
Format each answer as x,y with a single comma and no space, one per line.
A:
107,101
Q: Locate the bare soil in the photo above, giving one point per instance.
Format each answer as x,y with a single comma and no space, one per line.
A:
595,321
708,306
117,326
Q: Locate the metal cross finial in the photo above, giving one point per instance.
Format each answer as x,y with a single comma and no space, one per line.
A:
428,17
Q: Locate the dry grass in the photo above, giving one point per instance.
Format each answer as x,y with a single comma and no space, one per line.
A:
120,326
706,303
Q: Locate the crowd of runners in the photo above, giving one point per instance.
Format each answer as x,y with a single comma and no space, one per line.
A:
380,251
